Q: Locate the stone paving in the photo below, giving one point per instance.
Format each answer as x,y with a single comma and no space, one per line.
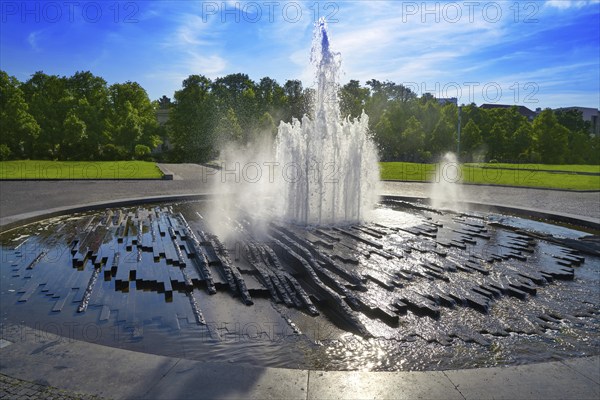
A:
17,389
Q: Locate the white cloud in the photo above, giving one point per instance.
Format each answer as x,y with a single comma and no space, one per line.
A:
566,4
33,40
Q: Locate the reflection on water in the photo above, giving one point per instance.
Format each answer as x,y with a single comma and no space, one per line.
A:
414,290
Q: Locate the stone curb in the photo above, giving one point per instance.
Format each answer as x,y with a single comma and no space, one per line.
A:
167,174
576,220
13,221
503,186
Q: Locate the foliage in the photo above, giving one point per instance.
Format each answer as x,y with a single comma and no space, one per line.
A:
75,118
142,152
192,121
83,118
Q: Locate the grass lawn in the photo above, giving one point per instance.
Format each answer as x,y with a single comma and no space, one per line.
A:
33,169
515,175
538,167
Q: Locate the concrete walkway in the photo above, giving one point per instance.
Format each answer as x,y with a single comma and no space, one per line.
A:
33,197
60,362
35,364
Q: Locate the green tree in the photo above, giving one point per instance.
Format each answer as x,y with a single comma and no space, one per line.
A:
353,99
552,137
49,103
228,128
72,145
522,143
237,92
192,121
19,128
387,139
412,141
270,97
265,128
579,140
443,137
132,118
471,140
496,141
297,100
90,104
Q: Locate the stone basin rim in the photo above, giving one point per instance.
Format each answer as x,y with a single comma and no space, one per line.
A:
14,221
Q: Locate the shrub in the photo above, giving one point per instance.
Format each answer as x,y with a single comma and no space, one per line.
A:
110,152
142,152
4,152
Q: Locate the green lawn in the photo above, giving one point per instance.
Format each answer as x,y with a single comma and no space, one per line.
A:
33,169
516,175
537,167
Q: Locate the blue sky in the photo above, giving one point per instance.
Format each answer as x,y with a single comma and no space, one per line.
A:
534,53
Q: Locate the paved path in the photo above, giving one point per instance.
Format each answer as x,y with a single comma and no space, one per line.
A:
36,364
18,389
19,197
585,204
121,374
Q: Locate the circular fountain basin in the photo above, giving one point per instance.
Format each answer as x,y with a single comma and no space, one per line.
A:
415,289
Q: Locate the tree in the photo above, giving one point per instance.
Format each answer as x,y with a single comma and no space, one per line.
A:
265,128
552,137
49,103
90,101
74,136
579,142
412,140
470,140
353,99
522,143
270,97
228,129
387,138
132,117
236,92
297,101
19,127
192,121
496,142
382,93
443,137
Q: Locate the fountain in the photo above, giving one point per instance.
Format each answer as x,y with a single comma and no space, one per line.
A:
318,286
446,189
334,159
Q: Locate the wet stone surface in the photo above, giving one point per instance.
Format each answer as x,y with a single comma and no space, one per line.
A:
416,289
